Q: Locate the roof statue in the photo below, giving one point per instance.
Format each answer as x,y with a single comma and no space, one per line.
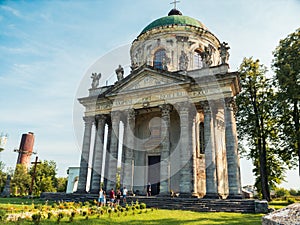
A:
224,54
120,73
95,80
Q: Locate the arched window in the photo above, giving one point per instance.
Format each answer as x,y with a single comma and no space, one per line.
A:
159,58
198,63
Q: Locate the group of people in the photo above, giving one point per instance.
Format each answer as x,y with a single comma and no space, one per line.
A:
113,198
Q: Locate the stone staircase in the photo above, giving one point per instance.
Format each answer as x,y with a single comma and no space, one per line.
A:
176,203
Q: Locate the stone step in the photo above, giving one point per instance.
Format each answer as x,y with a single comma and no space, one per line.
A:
193,204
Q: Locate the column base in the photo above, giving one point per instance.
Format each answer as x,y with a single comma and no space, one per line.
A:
235,196
94,191
185,195
211,196
80,192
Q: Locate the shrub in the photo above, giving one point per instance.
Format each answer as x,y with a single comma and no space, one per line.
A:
2,215
143,206
36,218
49,215
291,200
59,217
294,192
281,192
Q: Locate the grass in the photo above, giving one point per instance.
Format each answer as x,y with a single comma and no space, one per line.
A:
145,216
166,217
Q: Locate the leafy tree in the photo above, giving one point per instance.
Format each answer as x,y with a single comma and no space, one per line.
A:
45,177
61,184
287,69
256,121
3,176
21,180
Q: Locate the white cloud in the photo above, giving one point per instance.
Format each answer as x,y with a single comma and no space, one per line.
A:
11,10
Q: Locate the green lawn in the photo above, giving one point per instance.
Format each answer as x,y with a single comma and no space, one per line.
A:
144,216
165,217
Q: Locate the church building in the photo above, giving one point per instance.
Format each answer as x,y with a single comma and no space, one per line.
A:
176,112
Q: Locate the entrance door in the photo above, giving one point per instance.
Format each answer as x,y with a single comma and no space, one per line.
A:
154,173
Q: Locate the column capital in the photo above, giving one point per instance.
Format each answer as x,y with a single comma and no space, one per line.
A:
205,106
165,109
131,114
116,115
89,120
100,117
184,106
231,104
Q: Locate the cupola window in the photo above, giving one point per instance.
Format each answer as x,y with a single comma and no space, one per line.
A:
159,59
198,63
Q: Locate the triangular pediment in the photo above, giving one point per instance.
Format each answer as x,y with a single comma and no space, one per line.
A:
148,79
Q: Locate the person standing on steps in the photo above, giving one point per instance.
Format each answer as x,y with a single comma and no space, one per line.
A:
124,194
148,189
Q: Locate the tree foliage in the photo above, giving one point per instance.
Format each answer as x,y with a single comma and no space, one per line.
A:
61,185
45,177
21,180
256,119
286,65
3,176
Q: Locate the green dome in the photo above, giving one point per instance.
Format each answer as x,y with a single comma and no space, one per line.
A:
173,20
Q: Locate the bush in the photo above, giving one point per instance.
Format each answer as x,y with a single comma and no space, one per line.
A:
2,215
60,216
143,206
291,200
36,218
294,192
281,192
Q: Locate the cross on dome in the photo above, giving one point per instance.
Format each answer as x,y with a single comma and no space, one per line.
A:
174,2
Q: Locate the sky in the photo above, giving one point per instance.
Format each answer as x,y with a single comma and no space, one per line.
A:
47,49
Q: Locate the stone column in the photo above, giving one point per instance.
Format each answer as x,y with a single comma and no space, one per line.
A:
85,154
98,154
107,155
129,137
210,154
165,149
113,154
186,150
233,161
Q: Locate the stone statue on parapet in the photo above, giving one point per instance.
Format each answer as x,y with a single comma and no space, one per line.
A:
95,80
224,54
207,56
120,72
134,63
183,61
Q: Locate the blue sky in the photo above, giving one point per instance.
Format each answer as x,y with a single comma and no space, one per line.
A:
47,47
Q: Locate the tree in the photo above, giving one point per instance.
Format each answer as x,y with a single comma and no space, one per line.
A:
3,176
256,121
20,182
61,184
287,69
45,177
